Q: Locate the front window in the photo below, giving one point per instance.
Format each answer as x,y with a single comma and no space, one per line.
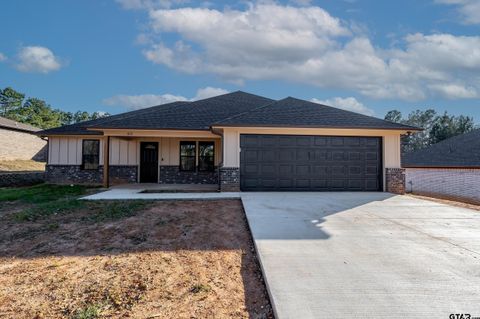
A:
206,156
187,156
90,154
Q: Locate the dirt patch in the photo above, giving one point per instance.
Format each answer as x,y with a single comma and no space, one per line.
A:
448,202
182,259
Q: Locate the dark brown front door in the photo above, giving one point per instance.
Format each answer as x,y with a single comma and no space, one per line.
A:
148,162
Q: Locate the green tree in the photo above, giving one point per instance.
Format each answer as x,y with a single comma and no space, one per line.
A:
99,115
80,116
10,100
38,113
436,127
447,126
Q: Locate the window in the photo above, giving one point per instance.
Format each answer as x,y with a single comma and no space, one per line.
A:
187,156
90,154
206,156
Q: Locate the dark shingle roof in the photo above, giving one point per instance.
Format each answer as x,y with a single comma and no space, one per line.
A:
459,151
14,125
81,128
291,112
232,109
198,115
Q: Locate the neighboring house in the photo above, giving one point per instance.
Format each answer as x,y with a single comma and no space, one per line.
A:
448,169
239,141
19,141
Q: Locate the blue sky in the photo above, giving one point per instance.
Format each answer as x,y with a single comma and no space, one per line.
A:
362,55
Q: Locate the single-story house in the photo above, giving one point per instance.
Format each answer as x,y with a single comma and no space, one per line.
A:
449,169
239,141
19,141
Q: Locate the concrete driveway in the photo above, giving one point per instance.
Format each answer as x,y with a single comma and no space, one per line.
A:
366,255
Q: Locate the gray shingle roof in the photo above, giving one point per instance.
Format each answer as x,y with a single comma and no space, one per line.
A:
292,112
237,108
81,128
459,151
198,115
9,124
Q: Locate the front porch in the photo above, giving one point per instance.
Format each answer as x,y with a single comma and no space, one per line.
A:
162,158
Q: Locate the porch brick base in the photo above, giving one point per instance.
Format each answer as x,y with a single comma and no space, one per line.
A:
171,174
229,179
395,180
74,174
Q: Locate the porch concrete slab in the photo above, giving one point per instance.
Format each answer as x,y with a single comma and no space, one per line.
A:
365,255
136,192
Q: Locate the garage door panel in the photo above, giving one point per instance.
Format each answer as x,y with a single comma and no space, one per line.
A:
302,183
302,154
338,155
268,169
251,156
286,155
302,170
320,163
268,156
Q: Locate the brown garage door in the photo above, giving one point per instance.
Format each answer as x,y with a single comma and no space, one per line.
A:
310,163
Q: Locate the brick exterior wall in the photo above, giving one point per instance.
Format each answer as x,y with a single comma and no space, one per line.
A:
21,178
229,179
461,184
395,180
16,145
74,174
171,174
123,174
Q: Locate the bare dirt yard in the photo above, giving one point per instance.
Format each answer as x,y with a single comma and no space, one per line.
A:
64,258
21,165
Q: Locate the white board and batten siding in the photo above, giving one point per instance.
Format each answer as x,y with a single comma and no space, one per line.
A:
123,151
68,150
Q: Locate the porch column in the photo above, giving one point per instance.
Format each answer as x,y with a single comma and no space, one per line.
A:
106,164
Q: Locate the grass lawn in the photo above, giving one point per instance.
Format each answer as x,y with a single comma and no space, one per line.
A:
64,258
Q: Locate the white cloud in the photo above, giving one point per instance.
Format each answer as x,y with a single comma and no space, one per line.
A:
136,102
37,59
3,57
207,92
468,9
308,45
348,103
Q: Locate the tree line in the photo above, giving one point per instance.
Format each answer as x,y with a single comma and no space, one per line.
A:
437,127
37,112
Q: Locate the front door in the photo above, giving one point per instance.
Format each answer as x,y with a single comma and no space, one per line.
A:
148,162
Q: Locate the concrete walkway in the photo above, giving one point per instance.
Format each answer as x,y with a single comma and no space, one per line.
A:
137,191
365,255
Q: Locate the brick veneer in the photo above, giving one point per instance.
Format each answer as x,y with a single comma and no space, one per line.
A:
229,179
461,184
74,174
171,174
395,180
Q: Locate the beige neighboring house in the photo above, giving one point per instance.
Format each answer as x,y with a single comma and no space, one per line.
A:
19,141
238,141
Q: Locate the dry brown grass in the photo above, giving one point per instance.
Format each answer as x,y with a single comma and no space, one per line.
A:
21,165
184,259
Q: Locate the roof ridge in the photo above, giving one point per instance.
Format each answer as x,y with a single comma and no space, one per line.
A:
246,112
